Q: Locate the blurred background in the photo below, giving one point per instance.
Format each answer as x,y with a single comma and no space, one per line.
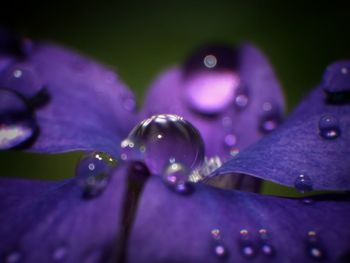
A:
139,39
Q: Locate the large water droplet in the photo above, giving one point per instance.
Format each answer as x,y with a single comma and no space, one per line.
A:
162,140
17,124
13,257
176,177
329,127
210,79
303,183
93,172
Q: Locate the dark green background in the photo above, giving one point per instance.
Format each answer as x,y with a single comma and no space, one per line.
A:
139,39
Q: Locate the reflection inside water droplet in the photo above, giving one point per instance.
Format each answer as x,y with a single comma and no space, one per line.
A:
329,127
162,140
17,124
93,171
176,177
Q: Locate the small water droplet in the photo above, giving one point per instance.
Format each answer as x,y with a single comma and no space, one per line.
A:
246,245
210,61
93,171
215,233
267,249
316,252
329,127
176,177
303,183
179,141
241,100
59,253
234,152
344,70
307,201
267,106
248,251
270,119
13,257
230,140
17,124
220,251
314,247
263,233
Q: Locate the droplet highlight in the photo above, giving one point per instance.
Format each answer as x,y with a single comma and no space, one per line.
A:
219,248
246,246
93,173
303,183
329,127
162,140
241,99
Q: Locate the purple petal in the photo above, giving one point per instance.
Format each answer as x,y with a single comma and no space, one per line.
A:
312,147
43,221
171,227
209,91
87,107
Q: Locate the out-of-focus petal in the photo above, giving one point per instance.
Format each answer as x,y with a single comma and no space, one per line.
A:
171,227
311,150
87,105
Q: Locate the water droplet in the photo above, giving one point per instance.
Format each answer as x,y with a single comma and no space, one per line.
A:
22,78
93,171
247,247
248,251
176,177
267,249
314,247
220,251
230,140
270,119
241,100
17,124
210,61
59,253
162,140
267,106
344,70
329,127
215,233
13,257
263,233
234,152
303,183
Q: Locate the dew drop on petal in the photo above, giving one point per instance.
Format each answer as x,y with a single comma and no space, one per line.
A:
307,201
162,140
329,127
220,250
270,119
241,99
93,172
248,251
267,249
230,140
17,124
210,61
176,177
316,252
303,183
215,233
14,257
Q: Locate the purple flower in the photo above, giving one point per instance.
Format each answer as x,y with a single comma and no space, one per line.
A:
53,100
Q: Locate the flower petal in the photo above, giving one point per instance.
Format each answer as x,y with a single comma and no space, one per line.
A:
43,221
171,227
313,143
87,106
207,96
